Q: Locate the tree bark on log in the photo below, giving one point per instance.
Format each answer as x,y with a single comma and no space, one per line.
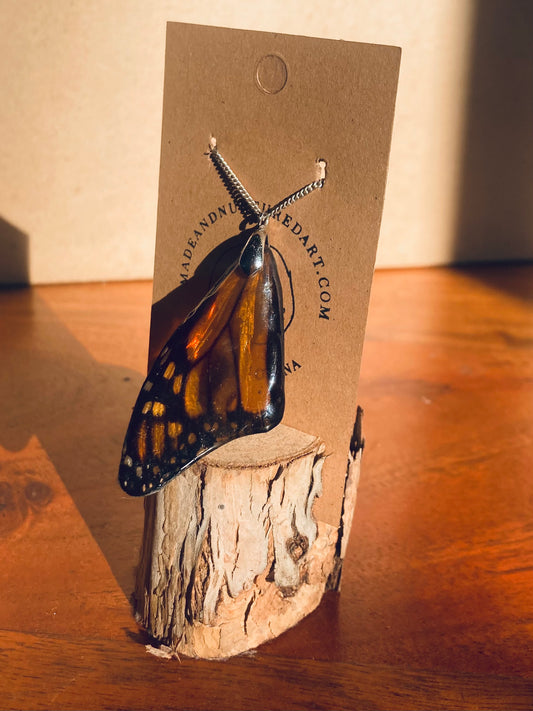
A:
231,554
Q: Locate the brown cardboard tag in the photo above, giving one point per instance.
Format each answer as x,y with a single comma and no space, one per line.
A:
277,103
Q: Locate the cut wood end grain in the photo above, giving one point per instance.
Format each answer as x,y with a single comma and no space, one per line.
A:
264,449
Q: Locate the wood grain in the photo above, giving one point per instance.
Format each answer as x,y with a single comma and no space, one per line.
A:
436,608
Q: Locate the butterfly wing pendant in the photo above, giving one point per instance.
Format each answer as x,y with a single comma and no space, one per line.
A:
220,375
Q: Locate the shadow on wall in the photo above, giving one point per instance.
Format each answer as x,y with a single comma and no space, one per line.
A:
14,255
495,203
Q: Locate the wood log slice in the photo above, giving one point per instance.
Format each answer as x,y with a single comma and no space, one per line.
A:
231,554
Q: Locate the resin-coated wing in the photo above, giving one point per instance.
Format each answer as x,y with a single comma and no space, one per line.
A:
219,377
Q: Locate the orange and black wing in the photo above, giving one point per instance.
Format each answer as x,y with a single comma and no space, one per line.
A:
219,377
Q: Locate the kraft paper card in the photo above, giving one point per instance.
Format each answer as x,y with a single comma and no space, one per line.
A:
275,104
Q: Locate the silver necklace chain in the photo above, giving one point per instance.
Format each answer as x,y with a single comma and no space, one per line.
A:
245,201
302,192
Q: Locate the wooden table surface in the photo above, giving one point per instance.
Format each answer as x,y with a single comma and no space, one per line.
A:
436,608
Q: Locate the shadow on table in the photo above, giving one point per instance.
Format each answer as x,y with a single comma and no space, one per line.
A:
78,409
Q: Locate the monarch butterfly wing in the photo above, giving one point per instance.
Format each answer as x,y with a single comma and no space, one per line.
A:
220,376
257,334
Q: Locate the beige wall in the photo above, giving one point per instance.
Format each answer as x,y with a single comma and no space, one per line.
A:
81,87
